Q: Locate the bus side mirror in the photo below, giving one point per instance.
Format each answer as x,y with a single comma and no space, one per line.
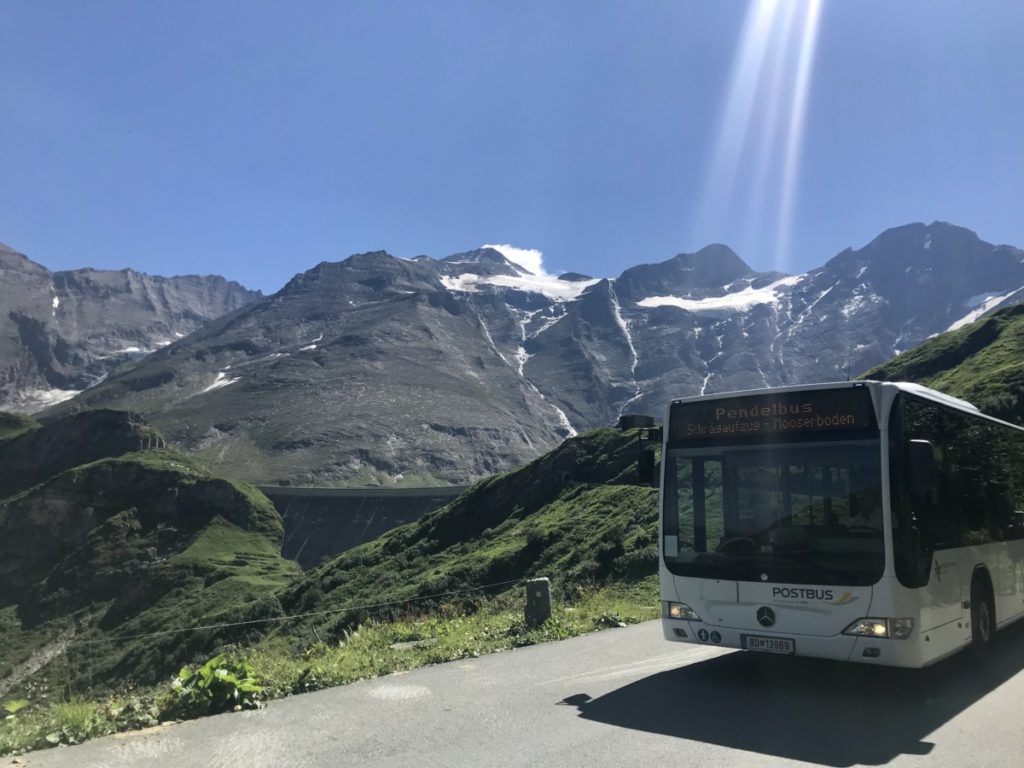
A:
921,460
645,467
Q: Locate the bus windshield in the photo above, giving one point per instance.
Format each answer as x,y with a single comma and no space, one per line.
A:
804,514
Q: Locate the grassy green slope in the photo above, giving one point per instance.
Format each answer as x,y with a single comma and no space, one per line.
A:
147,542
982,362
574,515
14,424
31,454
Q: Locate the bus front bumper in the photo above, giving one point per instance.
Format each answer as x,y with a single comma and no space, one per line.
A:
885,652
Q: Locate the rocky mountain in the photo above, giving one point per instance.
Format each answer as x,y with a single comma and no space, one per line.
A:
61,332
383,370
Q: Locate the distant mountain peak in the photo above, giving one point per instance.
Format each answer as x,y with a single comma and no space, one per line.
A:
718,253
917,233
62,332
485,254
710,269
485,260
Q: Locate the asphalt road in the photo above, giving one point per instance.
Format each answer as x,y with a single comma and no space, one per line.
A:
616,698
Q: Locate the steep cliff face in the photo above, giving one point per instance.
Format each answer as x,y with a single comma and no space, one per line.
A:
61,332
379,370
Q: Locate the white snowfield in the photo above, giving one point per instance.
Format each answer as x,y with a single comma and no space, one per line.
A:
532,277
220,382
38,399
548,285
981,304
738,301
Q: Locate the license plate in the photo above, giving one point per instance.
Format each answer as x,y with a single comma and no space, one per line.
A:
767,644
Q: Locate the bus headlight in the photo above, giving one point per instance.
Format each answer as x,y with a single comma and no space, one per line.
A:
680,611
900,629
897,629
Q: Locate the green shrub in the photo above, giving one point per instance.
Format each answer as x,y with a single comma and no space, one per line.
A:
222,684
14,707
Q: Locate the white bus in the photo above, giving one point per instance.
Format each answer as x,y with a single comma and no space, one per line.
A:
873,522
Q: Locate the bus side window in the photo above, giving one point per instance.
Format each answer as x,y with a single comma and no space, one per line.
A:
975,504
1000,503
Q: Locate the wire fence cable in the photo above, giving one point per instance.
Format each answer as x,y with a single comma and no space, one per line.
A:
292,617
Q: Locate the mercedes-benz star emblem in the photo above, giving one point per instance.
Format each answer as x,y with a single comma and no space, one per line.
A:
765,616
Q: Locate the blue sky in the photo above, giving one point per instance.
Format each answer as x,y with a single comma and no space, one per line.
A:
255,139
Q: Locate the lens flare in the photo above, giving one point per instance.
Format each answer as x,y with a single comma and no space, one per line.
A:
755,166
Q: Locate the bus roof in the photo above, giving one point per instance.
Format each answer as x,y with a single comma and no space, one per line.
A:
930,394
906,386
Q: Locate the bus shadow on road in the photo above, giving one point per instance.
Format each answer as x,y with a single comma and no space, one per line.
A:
806,709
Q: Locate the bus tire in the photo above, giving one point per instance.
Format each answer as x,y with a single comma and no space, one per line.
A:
983,616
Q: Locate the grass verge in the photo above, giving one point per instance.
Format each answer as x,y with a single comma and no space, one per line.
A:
288,664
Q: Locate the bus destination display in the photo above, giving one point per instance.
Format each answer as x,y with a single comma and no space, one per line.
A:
845,413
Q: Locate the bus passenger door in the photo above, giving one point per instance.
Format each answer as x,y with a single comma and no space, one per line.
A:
936,535
943,596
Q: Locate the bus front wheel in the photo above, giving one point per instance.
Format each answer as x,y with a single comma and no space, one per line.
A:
983,617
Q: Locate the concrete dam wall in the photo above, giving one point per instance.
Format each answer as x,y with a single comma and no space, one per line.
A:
320,523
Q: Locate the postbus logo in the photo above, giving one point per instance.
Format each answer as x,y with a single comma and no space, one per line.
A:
813,593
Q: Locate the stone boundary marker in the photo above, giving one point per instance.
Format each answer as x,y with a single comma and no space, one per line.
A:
538,601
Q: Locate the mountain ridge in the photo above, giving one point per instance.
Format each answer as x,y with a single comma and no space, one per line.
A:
63,331
381,370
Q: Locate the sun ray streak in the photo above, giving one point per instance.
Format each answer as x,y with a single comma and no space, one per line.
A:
736,123
798,116
773,108
754,171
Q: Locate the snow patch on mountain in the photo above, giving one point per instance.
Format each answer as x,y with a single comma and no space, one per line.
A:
490,341
737,301
633,358
522,358
979,305
547,285
220,382
38,399
858,302
533,278
564,421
